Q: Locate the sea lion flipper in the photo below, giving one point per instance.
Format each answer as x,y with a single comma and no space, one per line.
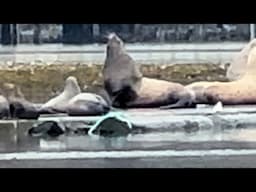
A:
183,102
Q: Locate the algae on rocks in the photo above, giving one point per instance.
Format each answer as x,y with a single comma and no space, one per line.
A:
43,81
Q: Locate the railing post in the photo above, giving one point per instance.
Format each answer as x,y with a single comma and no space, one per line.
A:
252,31
96,30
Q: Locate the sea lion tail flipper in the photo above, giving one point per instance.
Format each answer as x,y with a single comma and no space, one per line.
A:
179,104
184,102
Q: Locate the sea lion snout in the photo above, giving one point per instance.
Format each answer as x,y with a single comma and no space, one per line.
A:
114,40
71,79
111,35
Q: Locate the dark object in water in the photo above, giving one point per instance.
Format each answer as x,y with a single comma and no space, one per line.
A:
48,128
111,125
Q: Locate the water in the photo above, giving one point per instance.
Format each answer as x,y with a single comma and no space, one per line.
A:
225,139
206,148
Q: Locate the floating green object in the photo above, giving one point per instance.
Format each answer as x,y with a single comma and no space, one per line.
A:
111,124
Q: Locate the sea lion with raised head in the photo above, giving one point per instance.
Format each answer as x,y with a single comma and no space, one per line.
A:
122,77
59,103
237,92
201,93
86,104
128,88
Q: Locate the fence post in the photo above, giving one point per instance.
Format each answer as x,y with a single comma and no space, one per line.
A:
252,31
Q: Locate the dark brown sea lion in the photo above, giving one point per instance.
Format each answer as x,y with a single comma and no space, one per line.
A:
59,103
19,107
122,77
128,88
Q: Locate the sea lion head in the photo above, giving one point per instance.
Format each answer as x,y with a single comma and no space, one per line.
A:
12,90
115,45
72,86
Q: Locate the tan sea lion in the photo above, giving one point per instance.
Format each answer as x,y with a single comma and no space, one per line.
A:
59,103
241,91
163,94
121,74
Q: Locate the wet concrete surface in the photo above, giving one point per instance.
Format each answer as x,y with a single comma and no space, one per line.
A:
247,161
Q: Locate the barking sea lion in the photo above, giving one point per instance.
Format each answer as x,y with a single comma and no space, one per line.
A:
122,77
128,88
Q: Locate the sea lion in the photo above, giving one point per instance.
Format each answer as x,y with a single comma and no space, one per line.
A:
238,65
85,104
163,94
121,75
128,88
241,91
19,107
59,103
4,108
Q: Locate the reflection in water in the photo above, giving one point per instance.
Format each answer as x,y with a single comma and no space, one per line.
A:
139,141
248,135
156,140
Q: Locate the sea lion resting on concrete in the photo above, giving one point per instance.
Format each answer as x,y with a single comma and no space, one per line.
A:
75,103
241,91
127,87
19,107
163,94
85,104
59,103
122,77
238,92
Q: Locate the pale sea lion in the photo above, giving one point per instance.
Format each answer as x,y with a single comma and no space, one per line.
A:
238,65
241,91
19,107
85,104
121,74
59,103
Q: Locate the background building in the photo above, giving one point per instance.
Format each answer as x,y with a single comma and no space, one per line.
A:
131,33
